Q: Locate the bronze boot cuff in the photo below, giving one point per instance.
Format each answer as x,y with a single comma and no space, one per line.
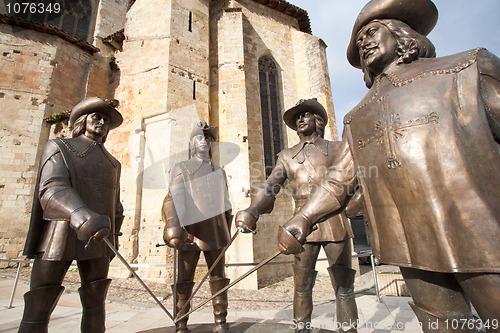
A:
219,304
93,297
436,323
342,278
184,290
38,306
304,280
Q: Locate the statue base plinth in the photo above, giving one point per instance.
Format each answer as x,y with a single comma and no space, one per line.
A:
241,327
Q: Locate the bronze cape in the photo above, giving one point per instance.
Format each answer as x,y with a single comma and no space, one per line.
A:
87,168
76,201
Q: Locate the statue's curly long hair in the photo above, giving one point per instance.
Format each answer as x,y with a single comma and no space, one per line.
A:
411,45
320,125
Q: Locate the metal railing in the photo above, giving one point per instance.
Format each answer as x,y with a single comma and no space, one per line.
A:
362,254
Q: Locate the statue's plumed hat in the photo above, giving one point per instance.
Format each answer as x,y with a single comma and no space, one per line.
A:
96,104
420,15
304,105
202,127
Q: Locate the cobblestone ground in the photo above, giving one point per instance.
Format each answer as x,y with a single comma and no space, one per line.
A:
278,294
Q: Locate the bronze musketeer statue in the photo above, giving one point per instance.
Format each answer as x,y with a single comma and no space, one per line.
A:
76,204
431,128
197,216
304,165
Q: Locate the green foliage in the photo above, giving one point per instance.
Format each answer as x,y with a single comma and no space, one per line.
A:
60,116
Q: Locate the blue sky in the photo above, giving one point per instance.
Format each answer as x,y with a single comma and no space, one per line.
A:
462,25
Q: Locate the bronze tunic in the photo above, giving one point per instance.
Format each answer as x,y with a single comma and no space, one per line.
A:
305,165
200,204
87,168
428,163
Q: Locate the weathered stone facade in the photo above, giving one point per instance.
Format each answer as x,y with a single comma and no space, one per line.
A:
179,62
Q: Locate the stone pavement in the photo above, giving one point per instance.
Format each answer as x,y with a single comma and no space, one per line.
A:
393,314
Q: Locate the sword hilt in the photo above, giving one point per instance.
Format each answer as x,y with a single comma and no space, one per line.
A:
245,230
92,239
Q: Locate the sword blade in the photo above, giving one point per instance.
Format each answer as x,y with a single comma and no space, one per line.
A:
230,285
124,262
221,255
175,280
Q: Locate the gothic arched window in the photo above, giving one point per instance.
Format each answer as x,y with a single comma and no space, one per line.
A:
72,16
271,132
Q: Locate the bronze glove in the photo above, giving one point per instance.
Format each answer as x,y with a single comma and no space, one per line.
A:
175,236
88,224
246,220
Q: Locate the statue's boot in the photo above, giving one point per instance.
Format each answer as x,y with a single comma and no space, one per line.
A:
437,323
93,297
38,306
342,278
184,290
219,304
304,280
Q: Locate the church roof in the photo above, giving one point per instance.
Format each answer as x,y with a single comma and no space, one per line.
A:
291,10
48,29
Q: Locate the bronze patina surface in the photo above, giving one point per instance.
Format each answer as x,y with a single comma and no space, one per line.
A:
304,165
76,205
197,215
424,146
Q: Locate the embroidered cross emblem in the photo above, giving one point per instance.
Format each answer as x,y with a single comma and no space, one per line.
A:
390,128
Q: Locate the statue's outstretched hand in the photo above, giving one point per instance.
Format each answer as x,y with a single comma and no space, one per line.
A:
246,220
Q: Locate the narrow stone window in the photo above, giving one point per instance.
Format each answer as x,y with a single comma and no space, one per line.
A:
72,16
190,23
194,89
269,106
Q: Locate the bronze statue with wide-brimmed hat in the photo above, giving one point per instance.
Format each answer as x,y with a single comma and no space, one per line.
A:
304,105
304,166
430,127
96,104
76,204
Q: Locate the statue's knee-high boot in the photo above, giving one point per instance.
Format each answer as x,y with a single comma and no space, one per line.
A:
219,304
184,290
342,278
437,323
93,297
304,280
38,306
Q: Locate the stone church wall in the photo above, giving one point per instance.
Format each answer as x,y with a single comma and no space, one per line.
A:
164,91
244,32
181,61
41,75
